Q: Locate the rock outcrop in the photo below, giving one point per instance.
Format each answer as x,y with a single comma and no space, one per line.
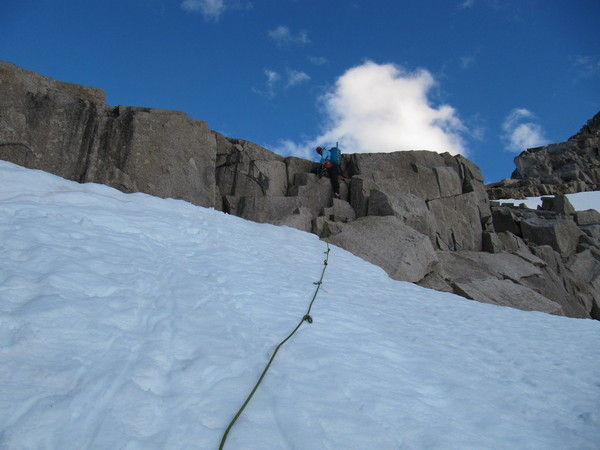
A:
556,238
564,168
423,217
68,130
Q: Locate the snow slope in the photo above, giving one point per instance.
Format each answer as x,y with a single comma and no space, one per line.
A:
132,322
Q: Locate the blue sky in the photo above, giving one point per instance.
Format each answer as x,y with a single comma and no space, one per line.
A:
485,78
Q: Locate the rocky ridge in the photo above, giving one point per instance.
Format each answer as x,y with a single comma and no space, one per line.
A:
423,217
563,168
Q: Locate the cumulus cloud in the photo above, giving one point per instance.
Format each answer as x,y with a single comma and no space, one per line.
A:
384,108
283,36
521,131
213,9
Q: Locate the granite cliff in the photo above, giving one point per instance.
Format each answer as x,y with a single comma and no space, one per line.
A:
423,217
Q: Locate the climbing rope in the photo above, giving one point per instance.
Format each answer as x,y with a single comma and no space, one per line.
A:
306,318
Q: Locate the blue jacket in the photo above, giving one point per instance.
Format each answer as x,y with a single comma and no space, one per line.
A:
332,155
325,156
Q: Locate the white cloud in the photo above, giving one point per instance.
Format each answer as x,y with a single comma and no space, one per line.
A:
384,108
296,77
271,83
210,9
213,9
318,60
276,81
283,36
521,132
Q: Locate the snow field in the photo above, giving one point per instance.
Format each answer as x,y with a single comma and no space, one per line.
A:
132,322
580,201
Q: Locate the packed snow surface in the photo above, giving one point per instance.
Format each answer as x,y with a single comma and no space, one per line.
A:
132,322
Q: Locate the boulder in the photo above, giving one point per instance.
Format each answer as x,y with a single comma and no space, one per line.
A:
491,243
590,240
383,204
471,266
465,270
340,211
585,272
561,235
510,242
592,231
587,217
434,281
409,208
559,204
324,228
313,192
301,218
559,289
505,219
550,256
361,187
506,293
387,242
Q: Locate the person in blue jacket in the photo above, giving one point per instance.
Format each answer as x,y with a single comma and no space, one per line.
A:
330,163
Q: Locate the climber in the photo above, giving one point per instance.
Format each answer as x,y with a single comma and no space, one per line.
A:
330,163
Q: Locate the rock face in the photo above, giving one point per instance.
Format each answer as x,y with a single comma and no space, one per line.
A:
564,168
440,195
366,235
553,239
423,217
69,130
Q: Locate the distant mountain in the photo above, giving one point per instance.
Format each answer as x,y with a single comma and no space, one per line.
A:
564,168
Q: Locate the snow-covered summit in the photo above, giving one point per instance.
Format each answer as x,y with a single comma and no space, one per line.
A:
128,321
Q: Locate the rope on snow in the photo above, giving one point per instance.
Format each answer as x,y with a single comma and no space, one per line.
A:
306,318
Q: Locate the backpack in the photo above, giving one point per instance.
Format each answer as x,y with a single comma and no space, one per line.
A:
336,155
